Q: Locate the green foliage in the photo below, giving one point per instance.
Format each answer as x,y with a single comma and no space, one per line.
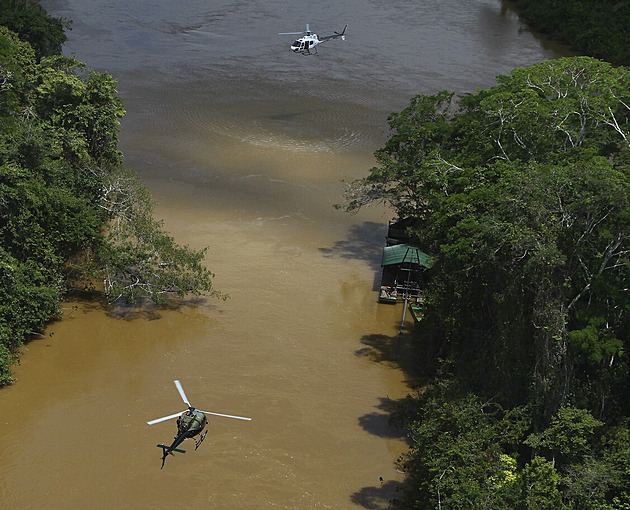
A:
540,482
30,299
85,110
522,194
461,455
467,453
569,433
594,27
140,259
34,26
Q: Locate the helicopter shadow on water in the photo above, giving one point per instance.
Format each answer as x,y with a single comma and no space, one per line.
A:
289,116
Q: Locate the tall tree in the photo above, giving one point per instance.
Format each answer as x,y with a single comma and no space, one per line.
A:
522,194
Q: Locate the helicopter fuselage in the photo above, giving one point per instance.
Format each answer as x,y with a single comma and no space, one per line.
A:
304,44
189,424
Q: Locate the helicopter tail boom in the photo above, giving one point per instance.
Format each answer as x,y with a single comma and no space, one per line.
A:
341,34
168,449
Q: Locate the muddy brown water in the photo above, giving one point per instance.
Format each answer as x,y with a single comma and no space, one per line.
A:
244,146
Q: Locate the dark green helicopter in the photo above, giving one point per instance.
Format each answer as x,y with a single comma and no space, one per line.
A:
190,423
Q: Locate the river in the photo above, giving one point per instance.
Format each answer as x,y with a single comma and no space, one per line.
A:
244,146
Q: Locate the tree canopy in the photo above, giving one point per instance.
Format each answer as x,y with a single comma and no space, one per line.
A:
522,194
594,27
44,33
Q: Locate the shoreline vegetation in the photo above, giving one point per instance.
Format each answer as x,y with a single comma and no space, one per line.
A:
598,28
521,193
73,219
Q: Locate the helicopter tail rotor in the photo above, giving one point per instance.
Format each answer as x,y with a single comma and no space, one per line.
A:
343,33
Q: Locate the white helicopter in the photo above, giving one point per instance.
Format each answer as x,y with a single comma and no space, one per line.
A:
310,40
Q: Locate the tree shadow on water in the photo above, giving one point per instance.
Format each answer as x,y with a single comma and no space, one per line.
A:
378,348
390,350
395,351
378,423
365,241
148,310
143,307
378,497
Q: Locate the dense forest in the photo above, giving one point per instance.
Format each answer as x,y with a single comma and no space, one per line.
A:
72,218
521,193
598,28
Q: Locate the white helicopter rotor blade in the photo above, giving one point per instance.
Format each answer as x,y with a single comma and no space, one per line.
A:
227,416
181,393
290,33
153,422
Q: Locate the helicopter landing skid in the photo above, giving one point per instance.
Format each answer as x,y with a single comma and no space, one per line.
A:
201,438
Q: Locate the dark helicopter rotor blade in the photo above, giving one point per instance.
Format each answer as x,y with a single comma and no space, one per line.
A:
227,416
153,422
181,393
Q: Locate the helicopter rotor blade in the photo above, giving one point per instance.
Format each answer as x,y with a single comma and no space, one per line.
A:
227,416
307,31
153,422
181,393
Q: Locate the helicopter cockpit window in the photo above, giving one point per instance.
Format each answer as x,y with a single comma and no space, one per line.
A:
296,43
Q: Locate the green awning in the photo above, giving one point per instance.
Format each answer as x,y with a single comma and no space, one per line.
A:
404,254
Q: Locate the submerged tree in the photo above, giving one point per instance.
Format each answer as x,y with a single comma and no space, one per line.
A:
138,258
